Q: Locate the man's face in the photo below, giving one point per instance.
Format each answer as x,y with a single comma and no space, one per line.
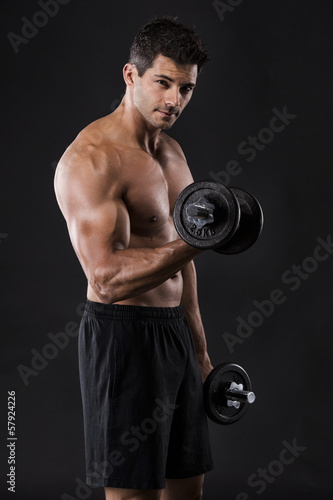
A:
163,91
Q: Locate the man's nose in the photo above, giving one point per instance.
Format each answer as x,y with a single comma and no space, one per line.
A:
173,97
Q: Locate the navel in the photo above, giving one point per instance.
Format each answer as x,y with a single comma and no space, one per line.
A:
153,218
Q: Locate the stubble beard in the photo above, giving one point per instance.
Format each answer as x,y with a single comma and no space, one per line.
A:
147,112
148,116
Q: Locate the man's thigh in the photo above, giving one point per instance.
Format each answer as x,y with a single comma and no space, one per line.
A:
189,488
130,494
176,489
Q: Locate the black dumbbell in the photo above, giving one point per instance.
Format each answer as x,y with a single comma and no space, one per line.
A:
208,215
227,393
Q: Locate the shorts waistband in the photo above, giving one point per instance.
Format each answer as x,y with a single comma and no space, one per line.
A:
119,311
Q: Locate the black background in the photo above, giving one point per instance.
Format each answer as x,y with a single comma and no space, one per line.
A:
265,56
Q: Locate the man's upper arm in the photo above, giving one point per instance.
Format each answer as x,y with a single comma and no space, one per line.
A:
96,216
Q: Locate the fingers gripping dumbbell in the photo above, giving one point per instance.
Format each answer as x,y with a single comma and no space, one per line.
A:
227,393
209,215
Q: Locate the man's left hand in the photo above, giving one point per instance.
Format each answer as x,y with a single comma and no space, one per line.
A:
205,368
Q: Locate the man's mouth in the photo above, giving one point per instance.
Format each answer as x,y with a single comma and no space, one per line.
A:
166,114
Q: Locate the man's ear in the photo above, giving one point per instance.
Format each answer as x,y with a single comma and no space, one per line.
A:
130,74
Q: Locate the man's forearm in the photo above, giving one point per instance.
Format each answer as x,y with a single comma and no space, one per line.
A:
133,271
199,338
193,317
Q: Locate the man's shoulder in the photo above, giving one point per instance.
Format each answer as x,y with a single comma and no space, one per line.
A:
171,146
91,147
94,138
89,168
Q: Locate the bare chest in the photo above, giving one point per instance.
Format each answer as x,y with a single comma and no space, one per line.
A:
150,197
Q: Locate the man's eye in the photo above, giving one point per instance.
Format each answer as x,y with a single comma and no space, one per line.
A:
187,89
162,82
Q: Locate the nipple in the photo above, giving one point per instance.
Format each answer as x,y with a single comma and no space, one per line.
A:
153,218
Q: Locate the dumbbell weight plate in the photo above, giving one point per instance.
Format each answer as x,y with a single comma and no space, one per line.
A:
250,224
215,399
206,214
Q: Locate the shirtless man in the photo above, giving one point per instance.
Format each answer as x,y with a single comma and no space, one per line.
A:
142,347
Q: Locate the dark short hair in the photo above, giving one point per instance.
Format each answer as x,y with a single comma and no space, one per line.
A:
170,38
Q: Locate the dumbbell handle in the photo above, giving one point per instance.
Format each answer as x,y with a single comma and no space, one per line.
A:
201,209
198,211
240,396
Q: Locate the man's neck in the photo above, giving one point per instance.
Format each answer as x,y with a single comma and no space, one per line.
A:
138,131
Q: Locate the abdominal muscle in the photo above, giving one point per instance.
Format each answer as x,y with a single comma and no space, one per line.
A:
168,294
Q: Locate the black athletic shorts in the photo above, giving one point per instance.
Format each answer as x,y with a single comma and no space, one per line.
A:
141,387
